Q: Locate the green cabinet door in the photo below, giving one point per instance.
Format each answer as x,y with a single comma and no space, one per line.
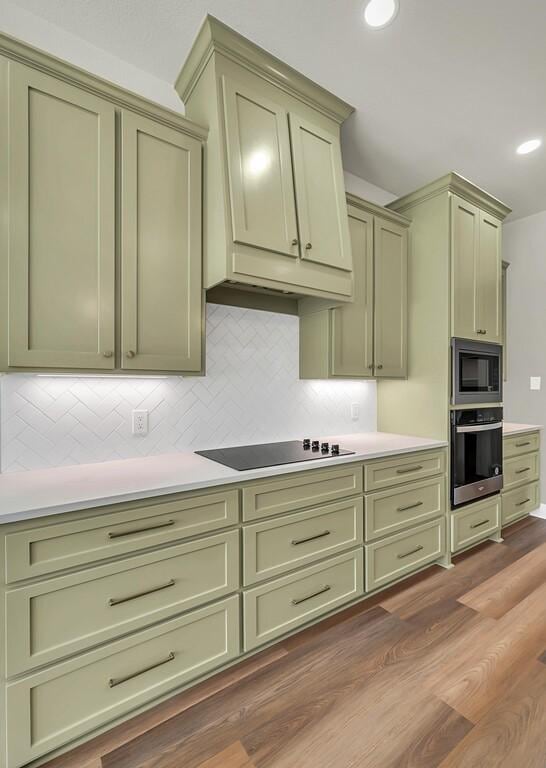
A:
489,289
62,224
391,288
161,306
465,248
261,187
320,195
352,324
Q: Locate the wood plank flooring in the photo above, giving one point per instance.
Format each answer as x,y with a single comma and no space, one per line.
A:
447,670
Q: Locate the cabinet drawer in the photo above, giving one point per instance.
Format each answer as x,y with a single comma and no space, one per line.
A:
37,551
305,489
520,469
50,708
55,618
519,502
401,469
281,544
474,523
515,445
392,558
283,605
393,510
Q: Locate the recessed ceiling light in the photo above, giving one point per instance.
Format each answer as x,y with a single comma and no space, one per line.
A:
379,13
528,146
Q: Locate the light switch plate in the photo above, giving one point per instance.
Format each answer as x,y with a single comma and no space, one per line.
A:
355,411
140,423
534,382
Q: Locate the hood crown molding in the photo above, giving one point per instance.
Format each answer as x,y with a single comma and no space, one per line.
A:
377,210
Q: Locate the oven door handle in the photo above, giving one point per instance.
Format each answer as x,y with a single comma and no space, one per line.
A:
479,427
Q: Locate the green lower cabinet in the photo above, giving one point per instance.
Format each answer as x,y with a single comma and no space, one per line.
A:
283,605
475,522
520,502
521,469
395,509
399,555
50,708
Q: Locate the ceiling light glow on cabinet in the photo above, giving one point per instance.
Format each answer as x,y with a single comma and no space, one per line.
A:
258,162
528,146
379,13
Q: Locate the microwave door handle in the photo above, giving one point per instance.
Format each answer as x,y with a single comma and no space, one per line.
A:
480,427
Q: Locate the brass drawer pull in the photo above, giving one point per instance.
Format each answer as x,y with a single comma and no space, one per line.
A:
119,534
479,525
522,445
295,542
298,600
308,246
119,680
410,506
411,552
521,471
409,469
118,600
521,503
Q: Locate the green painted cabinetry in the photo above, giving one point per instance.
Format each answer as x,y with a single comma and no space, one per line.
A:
102,259
274,200
367,337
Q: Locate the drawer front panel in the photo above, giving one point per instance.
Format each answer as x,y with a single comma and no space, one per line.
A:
54,618
474,523
281,544
401,469
51,548
399,555
307,489
391,511
519,502
48,709
519,444
520,469
283,605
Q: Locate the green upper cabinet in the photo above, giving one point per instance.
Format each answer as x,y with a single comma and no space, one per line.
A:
275,217
391,299
102,252
62,224
161,304
368,337
476,265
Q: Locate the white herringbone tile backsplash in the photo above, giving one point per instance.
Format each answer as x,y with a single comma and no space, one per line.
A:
251,394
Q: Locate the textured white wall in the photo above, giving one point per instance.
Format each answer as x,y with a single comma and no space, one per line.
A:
251,393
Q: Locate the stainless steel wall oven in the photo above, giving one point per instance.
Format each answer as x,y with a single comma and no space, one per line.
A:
476,454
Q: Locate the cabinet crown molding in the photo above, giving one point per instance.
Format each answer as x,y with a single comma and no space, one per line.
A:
216,37
453,182
377,210
16,50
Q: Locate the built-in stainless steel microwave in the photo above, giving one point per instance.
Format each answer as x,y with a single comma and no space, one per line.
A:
476,372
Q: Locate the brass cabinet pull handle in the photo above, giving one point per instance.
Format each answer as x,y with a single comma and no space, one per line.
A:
521,471
130,353
521,445
370,366
119,600
119,680
298,600
379,367
295,542
409,469
295,241
108,353
482,331
521,503
308,246
479,525
411,552
119,534
410,506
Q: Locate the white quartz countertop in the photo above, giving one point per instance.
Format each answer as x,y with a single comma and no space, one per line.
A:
64,489
509,428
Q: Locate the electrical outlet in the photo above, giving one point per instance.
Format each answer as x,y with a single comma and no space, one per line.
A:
355,411
534,382
140,423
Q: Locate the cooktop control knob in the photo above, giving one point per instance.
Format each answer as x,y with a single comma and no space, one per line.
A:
315,445
306,443
335,449
324,447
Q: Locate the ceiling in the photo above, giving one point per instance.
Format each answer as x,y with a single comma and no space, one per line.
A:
450,85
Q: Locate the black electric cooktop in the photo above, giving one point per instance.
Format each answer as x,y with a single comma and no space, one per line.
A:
271,454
